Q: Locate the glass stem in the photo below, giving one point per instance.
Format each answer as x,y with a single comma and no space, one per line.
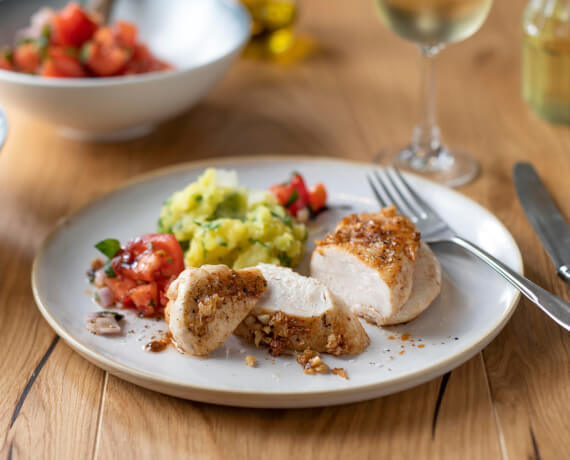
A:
426,141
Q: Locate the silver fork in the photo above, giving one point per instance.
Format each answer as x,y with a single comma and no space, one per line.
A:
390,188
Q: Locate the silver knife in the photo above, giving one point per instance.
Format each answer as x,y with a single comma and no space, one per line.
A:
545,217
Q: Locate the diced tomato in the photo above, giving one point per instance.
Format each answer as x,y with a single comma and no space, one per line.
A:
282,193
298,184
27,57
294,195
105,60
318,197
141,61
125,33
120,287
169,247
6,62
105,51
150,258
144,269
296,207
104,36
145,298
162,289
49,69
141,53
72,26
62,62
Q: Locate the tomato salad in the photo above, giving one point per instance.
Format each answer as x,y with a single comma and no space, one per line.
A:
301,202
137,274
72,43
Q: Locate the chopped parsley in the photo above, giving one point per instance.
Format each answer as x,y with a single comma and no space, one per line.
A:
287,220
284,259
208,225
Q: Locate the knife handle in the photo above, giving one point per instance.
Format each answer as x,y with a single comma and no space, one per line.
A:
553,306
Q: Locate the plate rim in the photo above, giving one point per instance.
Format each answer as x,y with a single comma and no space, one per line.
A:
266,398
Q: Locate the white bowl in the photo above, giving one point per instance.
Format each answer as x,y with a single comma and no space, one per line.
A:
3,128
201,38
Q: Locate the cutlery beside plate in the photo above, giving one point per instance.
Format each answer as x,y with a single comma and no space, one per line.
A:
544,216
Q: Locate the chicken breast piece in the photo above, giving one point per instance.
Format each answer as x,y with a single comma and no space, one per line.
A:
369,262
297,312
206,304
425,288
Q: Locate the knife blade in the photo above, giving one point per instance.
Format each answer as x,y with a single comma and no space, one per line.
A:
544,216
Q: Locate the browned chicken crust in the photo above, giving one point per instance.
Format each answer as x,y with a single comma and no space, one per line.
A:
379,239
280,332
218,298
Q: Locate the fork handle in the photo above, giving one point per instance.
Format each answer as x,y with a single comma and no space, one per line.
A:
553,306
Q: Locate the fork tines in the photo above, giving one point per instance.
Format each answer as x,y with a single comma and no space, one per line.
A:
390,188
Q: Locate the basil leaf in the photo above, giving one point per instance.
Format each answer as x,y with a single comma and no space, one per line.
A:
294,196
109,247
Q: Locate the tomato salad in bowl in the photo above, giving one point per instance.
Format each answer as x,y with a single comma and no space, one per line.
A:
99,82
72,43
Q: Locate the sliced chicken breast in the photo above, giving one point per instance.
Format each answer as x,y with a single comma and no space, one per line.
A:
369,262
426,287
297,312
206,304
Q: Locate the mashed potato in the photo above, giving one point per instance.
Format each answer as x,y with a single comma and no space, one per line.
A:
218,222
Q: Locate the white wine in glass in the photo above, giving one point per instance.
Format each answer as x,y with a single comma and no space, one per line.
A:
432,24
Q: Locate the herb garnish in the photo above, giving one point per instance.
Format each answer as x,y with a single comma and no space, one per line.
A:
109,247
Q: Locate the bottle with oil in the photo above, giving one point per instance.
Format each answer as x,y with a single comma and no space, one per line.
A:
273,24
546,59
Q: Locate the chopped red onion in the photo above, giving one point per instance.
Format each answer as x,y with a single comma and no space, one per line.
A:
38,21
303,215
99,279
104,323
104,296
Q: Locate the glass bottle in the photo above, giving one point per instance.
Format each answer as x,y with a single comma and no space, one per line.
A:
273,24
546,59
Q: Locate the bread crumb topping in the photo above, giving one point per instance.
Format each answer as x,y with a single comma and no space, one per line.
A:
379,239
250,361
312,362
341,372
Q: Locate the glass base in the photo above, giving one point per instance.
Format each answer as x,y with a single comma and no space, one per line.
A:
445,166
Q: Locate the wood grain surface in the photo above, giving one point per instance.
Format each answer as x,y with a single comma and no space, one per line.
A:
353,95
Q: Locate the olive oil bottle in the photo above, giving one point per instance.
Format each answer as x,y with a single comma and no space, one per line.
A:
273,24
546,59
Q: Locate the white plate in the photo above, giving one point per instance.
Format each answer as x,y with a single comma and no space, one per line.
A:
473,307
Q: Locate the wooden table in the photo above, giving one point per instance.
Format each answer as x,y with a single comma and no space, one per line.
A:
356,94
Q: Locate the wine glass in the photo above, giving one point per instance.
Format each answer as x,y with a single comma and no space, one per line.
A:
432,24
